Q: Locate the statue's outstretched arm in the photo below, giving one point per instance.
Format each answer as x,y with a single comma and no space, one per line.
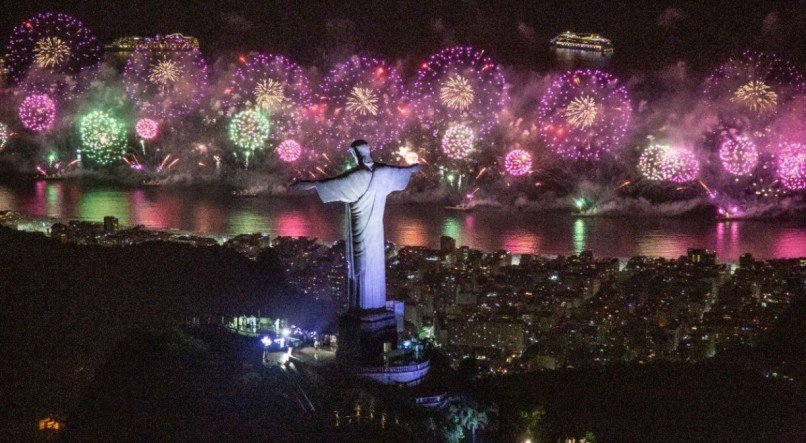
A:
410,168
307,185
399,176
331,189
304,185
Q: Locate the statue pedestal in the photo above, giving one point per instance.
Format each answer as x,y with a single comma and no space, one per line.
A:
367,339
363,333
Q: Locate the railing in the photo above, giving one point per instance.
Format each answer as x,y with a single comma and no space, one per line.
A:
393,369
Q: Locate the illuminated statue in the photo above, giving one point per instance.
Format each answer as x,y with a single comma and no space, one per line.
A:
364,188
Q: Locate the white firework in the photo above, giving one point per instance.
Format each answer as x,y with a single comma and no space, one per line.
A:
51,52
756,96
581,112
457,93
363,101
164,73
269,94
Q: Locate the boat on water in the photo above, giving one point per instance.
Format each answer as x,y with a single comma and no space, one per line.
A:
460,207
245,192
582,41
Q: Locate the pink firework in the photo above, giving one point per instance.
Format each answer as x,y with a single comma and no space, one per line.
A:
518,162
273,84
739,155
146,128
460,85
792,166
360,98
289,151
684,166
47,52
584,114
38,112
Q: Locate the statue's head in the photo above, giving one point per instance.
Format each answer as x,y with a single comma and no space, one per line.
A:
361,152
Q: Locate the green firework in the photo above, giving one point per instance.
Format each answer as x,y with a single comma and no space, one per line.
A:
103,138
249,130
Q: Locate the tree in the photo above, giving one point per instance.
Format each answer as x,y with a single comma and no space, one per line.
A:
453,433
530,421
472,420
467,416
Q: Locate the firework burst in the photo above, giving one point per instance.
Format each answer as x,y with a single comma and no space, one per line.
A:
457,93
168,82
38,112
5,135
271,83
756,96
518,162
460,84
360,98
581,112
146,128
408,154
739,155
792,166
103,138
458,142
249,130
665,163
289,151
584,114
362,101
753,85
51,52
269,94
164,73
46,51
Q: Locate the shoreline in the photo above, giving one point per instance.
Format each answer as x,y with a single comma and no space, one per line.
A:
613,207
42,225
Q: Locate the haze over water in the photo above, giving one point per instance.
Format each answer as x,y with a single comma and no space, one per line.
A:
214,211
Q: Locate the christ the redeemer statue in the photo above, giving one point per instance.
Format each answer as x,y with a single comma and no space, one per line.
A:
364,189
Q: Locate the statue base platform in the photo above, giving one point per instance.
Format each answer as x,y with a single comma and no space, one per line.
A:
403,374
365,334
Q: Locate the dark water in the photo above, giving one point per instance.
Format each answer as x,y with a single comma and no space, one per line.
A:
213,211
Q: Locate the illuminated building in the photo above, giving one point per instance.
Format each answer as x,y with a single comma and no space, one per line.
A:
701,256
50,425
447,244
585,42
500,334
746,261
110,224
253,326
9,219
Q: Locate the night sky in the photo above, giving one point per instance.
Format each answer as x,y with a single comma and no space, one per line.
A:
515,32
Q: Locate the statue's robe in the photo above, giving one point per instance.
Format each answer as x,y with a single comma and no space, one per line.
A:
364,191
